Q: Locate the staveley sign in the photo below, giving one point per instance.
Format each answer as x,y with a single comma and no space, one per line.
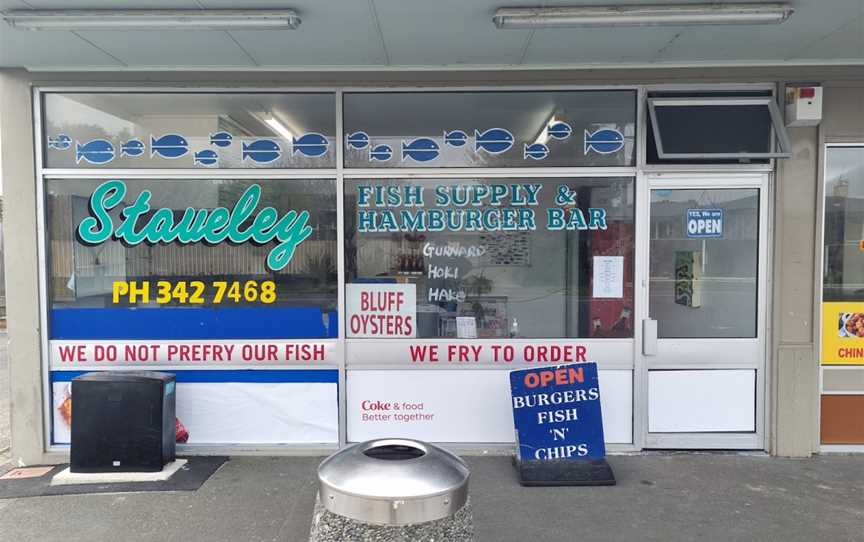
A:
213,226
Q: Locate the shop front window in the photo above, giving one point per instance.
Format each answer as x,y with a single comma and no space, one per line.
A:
843,257
192,259
189,130
491,129
491,258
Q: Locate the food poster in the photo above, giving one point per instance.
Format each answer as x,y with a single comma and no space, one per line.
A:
843,333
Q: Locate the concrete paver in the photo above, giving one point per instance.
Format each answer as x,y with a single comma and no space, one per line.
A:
701,497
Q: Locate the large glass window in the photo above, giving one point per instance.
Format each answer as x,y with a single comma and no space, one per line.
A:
192,258
189,130
704,259
843,257
527,257
843,269
490,129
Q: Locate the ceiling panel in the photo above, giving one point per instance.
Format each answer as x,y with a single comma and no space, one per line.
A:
436,34
446,32
49,50
809,23
170,48
335,32
598,45
849,39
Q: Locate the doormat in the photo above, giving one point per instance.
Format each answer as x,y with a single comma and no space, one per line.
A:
189,478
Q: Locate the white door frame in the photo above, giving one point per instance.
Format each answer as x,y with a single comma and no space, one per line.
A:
686,353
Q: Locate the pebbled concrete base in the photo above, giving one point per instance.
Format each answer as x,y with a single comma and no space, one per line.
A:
329,527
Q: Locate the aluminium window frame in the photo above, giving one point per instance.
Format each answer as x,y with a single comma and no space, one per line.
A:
780,137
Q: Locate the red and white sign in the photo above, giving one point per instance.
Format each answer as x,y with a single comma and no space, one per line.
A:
190,353
381,310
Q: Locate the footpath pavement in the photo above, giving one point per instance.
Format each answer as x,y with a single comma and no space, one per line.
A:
677,497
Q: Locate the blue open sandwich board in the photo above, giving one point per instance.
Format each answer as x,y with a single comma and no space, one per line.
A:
559,426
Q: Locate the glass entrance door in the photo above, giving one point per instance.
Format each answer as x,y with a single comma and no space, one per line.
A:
704,338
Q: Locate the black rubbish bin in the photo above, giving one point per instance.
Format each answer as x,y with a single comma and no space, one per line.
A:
123,421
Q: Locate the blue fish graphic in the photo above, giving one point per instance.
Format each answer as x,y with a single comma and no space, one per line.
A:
133,147
221,139
380,153
493,140
603,141
207,157
455,138
61,142
169,146
421,149
262,151
560,130
311,144
98,151
358,140
537,151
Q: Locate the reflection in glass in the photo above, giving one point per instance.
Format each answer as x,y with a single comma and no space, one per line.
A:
189,130
703,276
490,129
843,270
513,279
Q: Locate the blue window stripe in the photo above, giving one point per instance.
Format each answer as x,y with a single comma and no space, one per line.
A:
326,376
193,323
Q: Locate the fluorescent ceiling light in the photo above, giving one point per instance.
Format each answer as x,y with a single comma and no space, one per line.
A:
279,128
170,19
636,15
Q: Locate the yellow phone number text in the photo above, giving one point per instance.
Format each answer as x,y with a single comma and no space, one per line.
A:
194,292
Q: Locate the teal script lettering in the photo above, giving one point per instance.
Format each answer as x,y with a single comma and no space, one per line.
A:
195,225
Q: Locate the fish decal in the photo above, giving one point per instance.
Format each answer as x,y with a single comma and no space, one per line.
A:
169,146
221,139
207,157
310,145
536,151
262,151
358,140
493,140
98,151
560,131
421,149
455,138
603,141
61,142
133,147
380,153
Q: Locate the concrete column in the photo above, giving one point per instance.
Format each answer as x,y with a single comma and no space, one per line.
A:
795,374
22,267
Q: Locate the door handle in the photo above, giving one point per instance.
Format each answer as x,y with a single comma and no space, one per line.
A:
649,337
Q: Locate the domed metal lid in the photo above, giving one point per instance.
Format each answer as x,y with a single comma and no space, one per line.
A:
394,482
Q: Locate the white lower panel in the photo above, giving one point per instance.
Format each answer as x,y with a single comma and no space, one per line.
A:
244,413
460,406
701,401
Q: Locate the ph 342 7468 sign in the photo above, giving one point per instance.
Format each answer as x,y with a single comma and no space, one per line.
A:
704,223
556,412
